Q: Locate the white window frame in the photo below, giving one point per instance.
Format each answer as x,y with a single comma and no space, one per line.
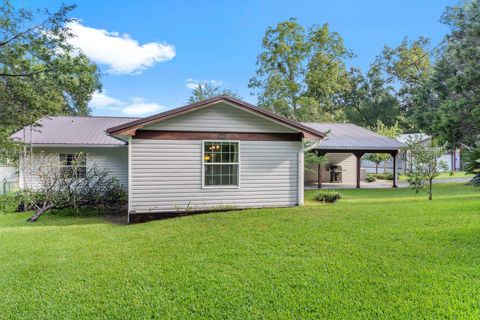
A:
75,154
238,163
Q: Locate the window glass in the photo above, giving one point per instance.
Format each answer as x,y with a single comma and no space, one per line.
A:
220,160
73,164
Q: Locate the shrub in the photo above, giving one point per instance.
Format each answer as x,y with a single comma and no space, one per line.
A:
382,176
371,178
327,196
8,203
472,164
13,202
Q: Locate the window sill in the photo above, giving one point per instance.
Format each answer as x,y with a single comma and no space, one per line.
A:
220,187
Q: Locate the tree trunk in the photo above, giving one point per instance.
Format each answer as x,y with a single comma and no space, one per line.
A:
39,212
376,167
430,190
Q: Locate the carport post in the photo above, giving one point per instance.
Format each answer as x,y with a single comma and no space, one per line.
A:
358,155
319,176
394,156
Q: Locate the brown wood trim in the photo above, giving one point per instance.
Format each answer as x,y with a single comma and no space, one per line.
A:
197,135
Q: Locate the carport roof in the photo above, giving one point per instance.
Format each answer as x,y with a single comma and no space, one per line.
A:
350,137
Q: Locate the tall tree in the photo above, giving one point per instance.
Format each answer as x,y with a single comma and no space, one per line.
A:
40,72
301,72
207,90
449,102
367,99
406,67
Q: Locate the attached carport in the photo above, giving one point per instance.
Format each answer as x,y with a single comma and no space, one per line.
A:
352,139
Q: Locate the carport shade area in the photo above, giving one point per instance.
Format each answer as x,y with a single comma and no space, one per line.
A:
350,138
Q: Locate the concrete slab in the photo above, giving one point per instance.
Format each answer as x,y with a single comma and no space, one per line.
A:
378,184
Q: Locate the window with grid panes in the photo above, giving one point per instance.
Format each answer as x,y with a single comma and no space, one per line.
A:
221,163
73,164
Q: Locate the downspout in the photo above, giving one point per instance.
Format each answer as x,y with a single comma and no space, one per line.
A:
24,159
301,184
129,177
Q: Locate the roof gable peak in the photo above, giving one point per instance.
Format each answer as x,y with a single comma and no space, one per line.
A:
130,128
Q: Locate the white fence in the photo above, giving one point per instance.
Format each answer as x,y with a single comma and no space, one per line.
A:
453,161
8,179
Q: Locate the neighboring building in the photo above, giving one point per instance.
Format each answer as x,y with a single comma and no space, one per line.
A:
216,154
452,157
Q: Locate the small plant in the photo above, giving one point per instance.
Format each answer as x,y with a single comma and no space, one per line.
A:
426,166
327,196
472,165
371,178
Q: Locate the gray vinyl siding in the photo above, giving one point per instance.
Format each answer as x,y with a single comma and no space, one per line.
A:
219,118
167,176
114,159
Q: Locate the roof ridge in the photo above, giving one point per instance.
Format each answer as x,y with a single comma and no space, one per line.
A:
90,116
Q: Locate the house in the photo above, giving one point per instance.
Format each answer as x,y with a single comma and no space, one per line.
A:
215,154
451,157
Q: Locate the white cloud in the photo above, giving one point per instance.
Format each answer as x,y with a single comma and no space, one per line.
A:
121,53
101,100
138,107
135,106
193,83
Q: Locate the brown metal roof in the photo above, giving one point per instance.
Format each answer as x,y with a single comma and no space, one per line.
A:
92,130
71,130
130,127
348,136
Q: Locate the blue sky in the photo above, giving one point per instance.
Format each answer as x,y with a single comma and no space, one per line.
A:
148,50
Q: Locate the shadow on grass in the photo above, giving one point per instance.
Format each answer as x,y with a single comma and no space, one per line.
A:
61,218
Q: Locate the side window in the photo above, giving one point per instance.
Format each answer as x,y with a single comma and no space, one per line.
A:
73,164
221,163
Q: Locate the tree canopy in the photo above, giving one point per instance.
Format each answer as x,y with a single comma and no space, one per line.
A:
40,72
368,100
301,72
207,90
448,104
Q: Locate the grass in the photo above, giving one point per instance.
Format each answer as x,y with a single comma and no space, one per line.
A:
444,175
376,254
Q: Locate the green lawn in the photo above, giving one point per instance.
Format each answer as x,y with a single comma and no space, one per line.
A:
444,175
376,254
